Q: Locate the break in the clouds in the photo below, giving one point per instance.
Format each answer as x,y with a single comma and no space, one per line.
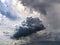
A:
5,10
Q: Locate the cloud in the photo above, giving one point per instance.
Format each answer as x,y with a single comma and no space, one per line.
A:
51,11
32,25
16,11
36,5
49,8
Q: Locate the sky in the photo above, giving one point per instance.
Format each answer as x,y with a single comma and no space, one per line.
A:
13,12
8,21
49,12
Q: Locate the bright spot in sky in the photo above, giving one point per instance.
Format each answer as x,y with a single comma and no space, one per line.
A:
3,1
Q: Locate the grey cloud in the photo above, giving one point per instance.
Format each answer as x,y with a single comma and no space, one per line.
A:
37,5
50,8
46,7
32,25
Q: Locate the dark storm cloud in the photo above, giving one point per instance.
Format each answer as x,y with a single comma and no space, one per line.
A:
3,11
32,25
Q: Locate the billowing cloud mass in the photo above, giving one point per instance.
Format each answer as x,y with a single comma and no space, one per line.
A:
32,25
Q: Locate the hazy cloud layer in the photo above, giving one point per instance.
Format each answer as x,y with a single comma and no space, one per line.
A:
37,5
